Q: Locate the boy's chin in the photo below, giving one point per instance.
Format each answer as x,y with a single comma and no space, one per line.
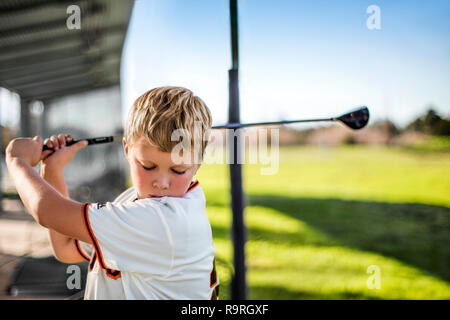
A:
150,195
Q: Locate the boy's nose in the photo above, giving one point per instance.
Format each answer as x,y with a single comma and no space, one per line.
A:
161,184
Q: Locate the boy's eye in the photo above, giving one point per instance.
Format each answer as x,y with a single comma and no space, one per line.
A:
151,168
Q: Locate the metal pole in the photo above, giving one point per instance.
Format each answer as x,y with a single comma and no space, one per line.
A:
238,231
1,155
25,118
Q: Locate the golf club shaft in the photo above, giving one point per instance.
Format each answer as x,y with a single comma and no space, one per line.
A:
89,140
348,119
99,140
271,123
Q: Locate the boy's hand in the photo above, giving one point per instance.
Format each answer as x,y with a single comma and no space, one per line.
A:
29,149
63,153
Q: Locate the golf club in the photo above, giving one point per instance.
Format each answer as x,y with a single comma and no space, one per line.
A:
90,141
355,119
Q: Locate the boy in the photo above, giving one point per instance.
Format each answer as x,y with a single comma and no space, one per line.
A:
154,241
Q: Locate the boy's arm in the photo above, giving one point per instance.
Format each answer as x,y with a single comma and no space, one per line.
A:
64,248
47,206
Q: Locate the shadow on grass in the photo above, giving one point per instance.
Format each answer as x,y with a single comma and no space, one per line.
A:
416,234
282,293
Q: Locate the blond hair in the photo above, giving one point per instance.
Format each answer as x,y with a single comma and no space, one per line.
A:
159,112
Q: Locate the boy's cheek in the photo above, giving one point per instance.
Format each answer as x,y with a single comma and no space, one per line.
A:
180,185
139,177
135,176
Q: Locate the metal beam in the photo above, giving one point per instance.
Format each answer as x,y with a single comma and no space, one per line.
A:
49,25
59,23
48,71
23,70
51,55
35,54
73,90
71,81
56,81
42,57
14,7
46,74
238,230
73,35
57,55
12,52
36,75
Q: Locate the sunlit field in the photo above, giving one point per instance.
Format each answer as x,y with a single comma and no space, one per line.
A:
328,214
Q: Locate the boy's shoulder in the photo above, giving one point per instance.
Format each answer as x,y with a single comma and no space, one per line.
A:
128,195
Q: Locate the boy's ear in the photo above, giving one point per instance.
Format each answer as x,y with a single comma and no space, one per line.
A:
125,147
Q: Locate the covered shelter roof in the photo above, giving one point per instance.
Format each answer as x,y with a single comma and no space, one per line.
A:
42,58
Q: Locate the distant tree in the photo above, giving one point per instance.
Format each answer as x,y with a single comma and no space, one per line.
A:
443,128
431,123
387,126
390,128
431,120
416,125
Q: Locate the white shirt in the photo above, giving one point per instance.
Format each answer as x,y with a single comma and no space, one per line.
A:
153,248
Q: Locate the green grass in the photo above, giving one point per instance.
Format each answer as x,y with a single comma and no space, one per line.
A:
316,225
432,143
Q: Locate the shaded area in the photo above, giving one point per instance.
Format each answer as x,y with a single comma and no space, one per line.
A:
282,293
50,49
46,277
416,234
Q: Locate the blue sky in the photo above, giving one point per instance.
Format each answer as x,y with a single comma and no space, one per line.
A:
297,58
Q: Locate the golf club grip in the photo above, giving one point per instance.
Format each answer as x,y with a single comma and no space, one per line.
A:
89,140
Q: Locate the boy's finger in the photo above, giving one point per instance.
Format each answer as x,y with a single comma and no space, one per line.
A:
79,145
62,140
38,139
48,143
55,142
45,154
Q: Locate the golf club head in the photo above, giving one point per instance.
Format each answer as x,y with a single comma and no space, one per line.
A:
356,119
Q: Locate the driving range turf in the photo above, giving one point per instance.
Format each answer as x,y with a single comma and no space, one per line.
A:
328,215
